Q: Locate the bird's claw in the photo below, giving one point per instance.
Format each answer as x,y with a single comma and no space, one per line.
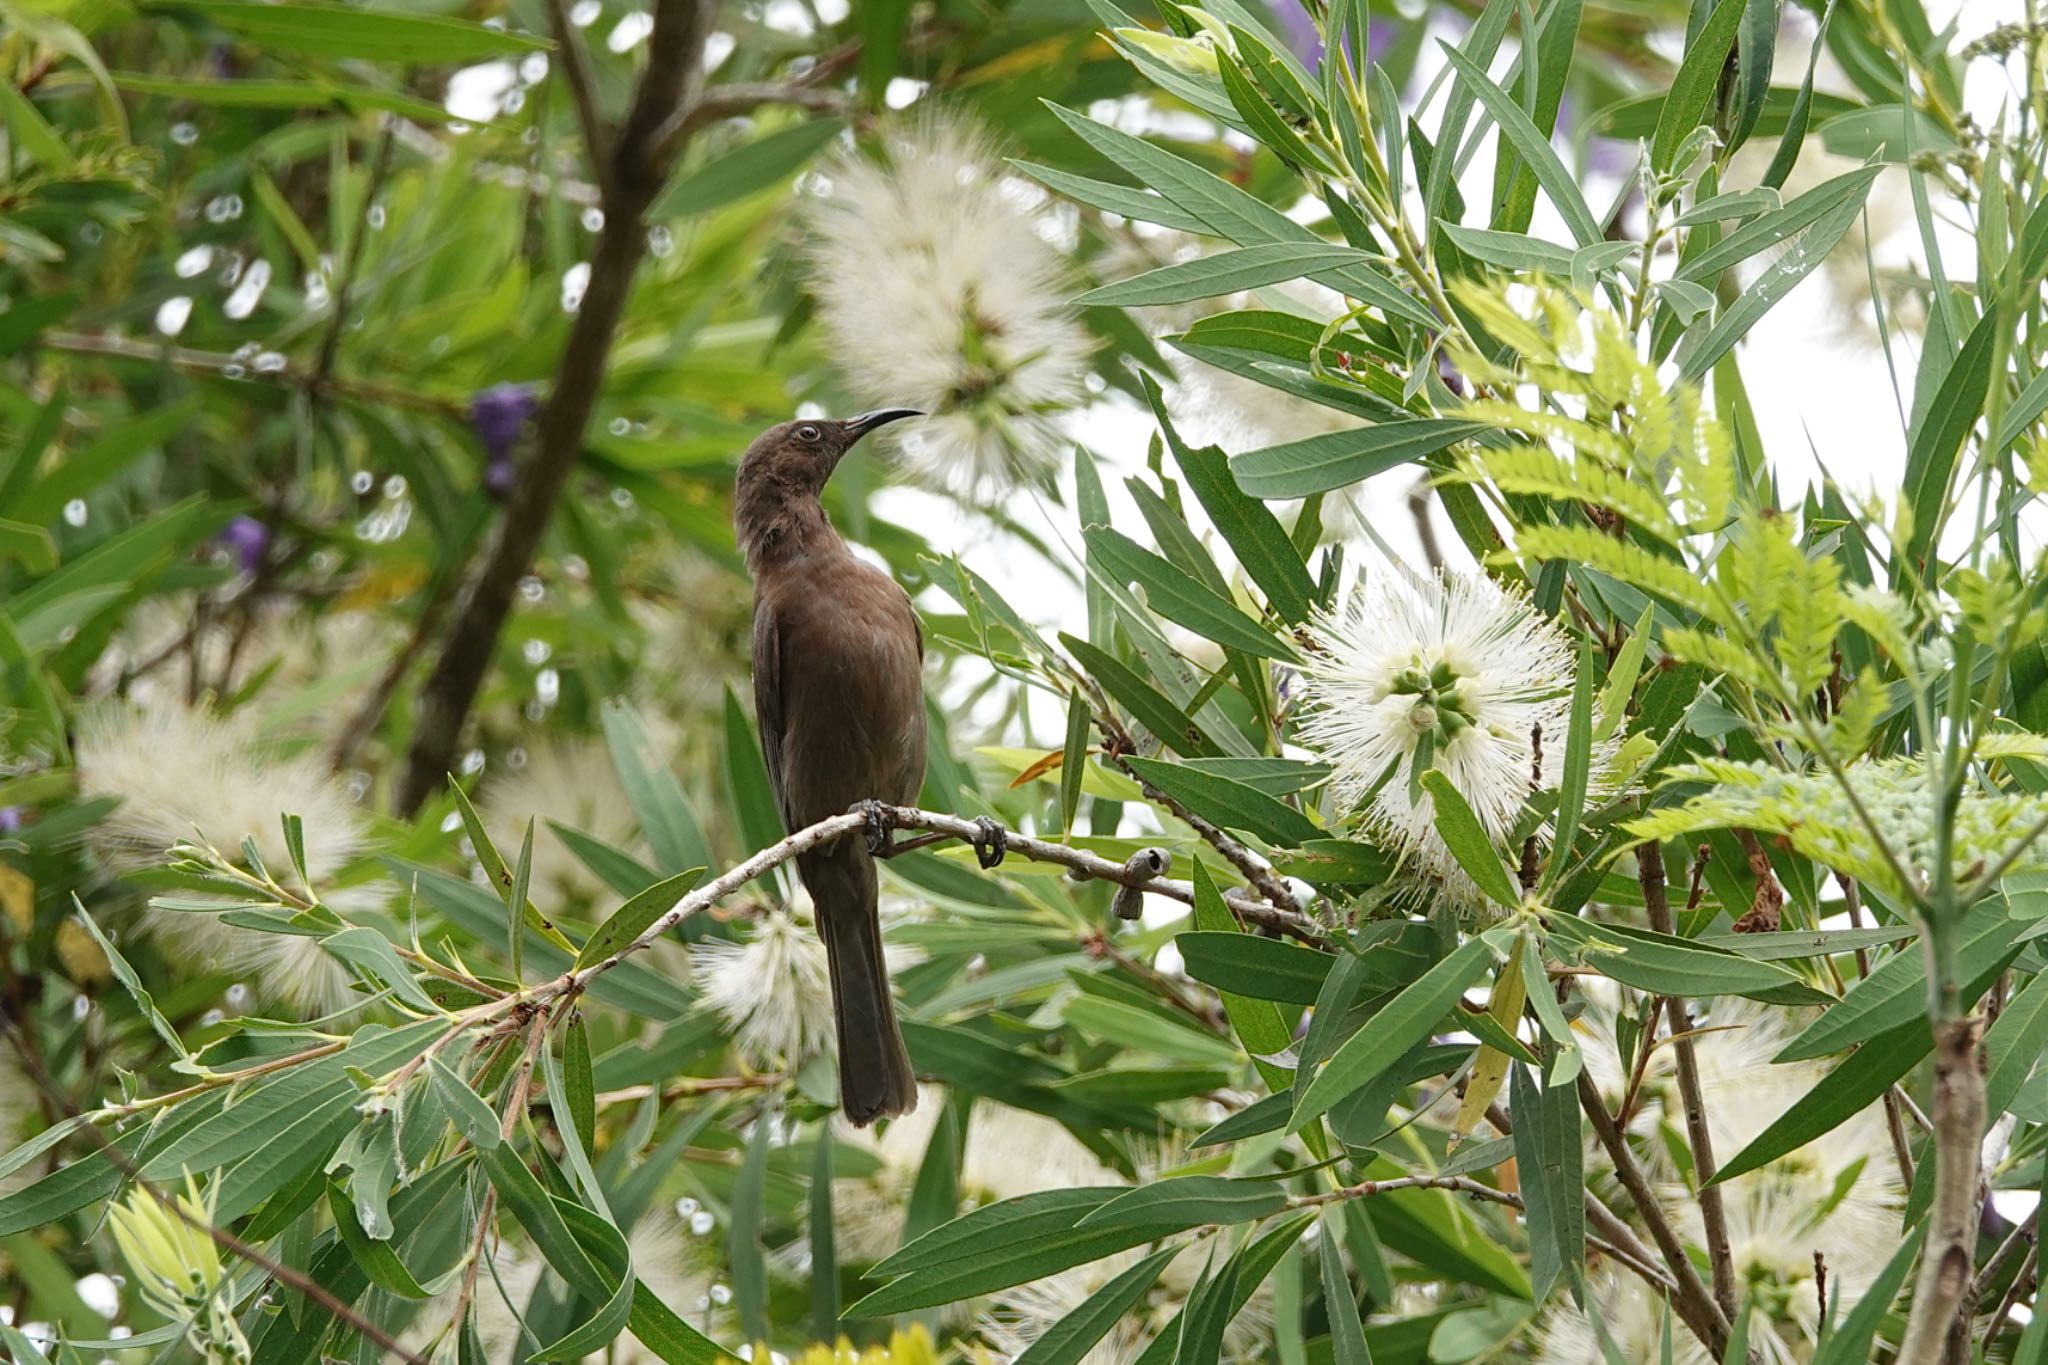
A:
991,842
878,827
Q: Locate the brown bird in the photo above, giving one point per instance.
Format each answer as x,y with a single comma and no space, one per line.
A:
838,690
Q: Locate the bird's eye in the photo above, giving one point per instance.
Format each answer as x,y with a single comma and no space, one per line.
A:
808,432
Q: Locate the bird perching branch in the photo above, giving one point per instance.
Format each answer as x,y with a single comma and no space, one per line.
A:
1079,862
632,165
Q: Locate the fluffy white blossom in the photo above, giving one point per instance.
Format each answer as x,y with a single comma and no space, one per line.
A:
937,291
569,780
1839,1195
1448,671
183,775
774,989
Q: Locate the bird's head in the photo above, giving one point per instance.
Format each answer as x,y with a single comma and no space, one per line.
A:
803,453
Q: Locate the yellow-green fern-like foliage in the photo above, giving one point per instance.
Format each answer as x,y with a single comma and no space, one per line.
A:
1638,480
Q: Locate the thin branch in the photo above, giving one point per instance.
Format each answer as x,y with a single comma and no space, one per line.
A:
738,98
1080,862
1713,1218
1690,1299
597,137
312,1289
638,164
235,367
1948,1261
1117,743
1365,1189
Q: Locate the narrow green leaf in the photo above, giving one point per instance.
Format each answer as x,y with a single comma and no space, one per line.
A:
1692,88
1405,1021
1897,989
999,1245
32,131
1069,1340
1578,752
746,169
496,869
125,974
1700,349
1467,839
1852,1086
1167,722
657,798
1232,804
473,1118
752,794
1190,1201
1257,1023
630,920
1667,965
1530,144
1347,1329
1938,439
1319,464
1251,530
824,1242
743,1241
1248,965
319,29
1224,272
1125,201
1180,597
1512,250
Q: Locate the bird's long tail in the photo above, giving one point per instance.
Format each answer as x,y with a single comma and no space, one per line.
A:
875,1080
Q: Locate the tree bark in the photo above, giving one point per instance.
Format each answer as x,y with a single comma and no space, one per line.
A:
1949,1259
637,165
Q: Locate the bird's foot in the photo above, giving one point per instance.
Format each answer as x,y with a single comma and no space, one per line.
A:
878,830
990,843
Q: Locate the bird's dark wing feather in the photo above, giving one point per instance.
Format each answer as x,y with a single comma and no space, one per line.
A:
768,697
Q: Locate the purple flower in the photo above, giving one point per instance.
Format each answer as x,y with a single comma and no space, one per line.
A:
11,818
246,538
498,476
1299,28
499,414
1379,36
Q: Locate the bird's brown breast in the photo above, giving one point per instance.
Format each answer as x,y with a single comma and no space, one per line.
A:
851,687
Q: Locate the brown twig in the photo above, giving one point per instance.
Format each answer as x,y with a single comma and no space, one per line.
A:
1117,743
1713,1218
638,165
312,1289
1077,861
1947,1262
576,71
1690,1298
234,367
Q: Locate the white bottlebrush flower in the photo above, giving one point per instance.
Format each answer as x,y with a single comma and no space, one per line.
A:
571,781
937,291
774,990
1448,671
1839,1195
313,671
182,775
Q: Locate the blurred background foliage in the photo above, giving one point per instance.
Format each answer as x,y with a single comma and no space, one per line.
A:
288,290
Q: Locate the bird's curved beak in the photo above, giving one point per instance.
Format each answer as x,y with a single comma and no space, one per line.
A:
880,417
